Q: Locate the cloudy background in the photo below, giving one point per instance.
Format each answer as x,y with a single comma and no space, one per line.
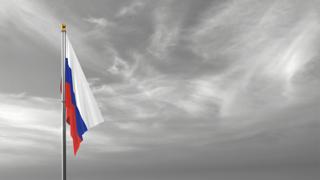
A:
189,89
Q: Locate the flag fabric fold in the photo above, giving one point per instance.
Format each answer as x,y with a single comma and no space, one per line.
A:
82,111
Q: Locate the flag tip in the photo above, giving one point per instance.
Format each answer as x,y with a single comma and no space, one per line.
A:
63,27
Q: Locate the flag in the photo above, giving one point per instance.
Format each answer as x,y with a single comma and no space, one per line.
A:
82,111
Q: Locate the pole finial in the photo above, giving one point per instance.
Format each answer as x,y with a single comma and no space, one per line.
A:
63,27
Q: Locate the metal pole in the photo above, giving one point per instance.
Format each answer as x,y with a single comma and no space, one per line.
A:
63,60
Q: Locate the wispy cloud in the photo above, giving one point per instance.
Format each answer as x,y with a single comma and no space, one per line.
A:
29,125
131,9
263,65
99,22
165,34
32,17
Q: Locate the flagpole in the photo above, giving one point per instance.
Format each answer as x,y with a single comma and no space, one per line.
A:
63,57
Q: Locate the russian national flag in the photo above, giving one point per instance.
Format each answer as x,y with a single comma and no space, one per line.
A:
82,111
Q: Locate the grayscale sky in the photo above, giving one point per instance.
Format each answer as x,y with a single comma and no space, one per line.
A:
189,89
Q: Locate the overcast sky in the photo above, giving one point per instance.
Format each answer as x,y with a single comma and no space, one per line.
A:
189,89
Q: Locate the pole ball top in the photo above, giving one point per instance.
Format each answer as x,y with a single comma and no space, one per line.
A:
63,27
